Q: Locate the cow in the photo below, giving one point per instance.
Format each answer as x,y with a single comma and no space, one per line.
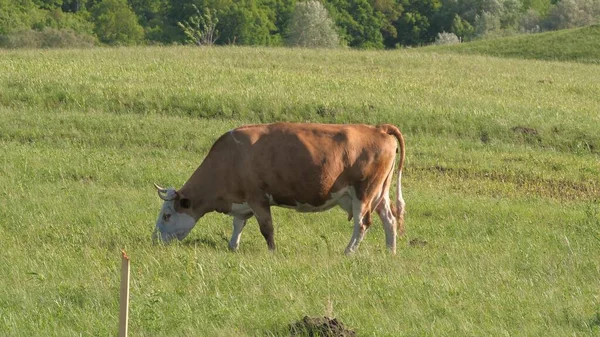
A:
306,167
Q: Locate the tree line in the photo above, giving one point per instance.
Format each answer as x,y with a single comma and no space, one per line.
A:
373,24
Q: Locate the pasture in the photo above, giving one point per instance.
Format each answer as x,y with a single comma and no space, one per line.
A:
572,45
502,185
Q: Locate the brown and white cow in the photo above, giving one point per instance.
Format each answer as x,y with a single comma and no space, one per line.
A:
307,167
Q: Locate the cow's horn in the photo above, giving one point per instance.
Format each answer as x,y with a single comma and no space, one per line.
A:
162,191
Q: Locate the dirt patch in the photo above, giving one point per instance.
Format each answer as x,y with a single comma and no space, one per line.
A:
440,169
524,130
528,135
320,327
417,242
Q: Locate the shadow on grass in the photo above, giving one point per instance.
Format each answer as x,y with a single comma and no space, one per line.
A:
595,321
209,242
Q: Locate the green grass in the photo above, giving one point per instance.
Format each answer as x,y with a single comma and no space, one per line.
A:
502,181
576,45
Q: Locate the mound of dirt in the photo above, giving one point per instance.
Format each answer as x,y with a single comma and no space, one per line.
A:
320,327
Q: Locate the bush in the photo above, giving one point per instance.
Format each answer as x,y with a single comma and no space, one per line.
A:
310,26
446,38
47,38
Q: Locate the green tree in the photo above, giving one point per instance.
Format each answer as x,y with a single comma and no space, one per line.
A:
249,22
116,23
530,21
462,28
487,23
573,13
540,6
511,12
48,4
19,15
152,16
201,28
310,26
415,24
57,19
359,26
73,6
283,10
388,12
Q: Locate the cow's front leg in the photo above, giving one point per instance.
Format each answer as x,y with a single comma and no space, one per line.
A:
262,212
238,226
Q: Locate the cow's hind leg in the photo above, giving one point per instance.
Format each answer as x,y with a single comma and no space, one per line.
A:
360,228
238,226
389,223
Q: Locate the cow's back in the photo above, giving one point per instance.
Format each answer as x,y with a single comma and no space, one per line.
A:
305,163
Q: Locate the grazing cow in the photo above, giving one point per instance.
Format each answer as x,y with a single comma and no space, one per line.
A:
307,167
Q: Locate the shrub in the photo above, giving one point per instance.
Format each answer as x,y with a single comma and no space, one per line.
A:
47,38
446,38
310,26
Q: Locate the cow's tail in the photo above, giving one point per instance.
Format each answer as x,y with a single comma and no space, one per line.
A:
398,207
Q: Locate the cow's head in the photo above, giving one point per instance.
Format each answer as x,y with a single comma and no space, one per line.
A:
176,218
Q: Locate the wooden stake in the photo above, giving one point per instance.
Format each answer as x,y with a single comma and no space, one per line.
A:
124,299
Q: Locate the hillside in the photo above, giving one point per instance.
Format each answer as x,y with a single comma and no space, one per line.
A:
578,45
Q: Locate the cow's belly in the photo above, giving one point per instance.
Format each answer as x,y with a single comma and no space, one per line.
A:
335,199
343,198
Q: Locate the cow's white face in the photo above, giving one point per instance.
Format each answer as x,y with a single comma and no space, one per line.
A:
174,220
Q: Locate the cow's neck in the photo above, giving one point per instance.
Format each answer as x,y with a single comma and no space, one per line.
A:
202,191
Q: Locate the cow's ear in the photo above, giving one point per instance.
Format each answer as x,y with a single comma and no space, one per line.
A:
185,203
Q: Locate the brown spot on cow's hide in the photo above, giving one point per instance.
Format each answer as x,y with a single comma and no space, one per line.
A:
340,137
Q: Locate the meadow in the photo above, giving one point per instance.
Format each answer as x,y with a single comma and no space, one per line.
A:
502,185
573,45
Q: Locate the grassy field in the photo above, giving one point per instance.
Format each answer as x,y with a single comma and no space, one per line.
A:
502,183
573,45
